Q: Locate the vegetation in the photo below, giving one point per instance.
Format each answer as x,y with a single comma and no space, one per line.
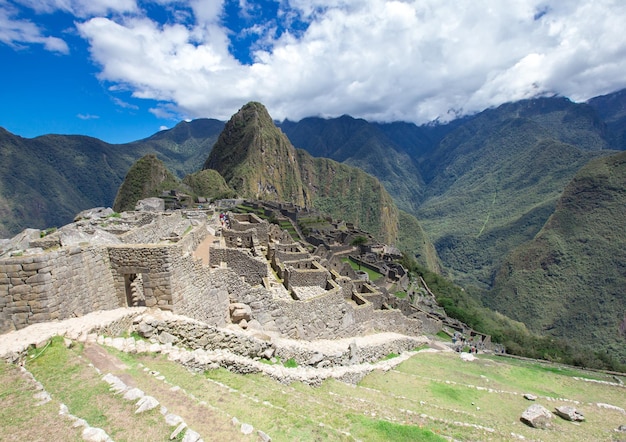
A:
208,184
148,177
568,282
514,335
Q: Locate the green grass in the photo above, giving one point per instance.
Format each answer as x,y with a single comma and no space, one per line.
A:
373,276
443,335
380,430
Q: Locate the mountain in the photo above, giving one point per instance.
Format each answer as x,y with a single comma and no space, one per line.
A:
184,147
258,161
386,152
492,183
568,281
256,158
612,110
46,181
148,177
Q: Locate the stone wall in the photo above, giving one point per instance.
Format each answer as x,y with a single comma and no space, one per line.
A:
252,269
163,226
239,238
54,285
305,273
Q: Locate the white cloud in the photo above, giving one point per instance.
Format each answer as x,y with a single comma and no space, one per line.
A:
18,32
88,116
382,60
81,8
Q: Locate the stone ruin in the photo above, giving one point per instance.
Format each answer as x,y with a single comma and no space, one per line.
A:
255,276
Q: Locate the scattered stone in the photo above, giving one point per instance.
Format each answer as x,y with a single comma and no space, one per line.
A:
247,429
191,436
263,436
145,330
621,429
146,403
134,394
67,342
569,413
618,380
537,416
239,311
91,434
167,338
269,353
468,357
315,359
177,431
530,397
173,419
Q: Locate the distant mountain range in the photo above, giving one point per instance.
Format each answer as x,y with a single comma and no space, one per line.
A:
485,189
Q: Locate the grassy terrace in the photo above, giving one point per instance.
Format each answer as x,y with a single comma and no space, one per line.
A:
374,276
430,397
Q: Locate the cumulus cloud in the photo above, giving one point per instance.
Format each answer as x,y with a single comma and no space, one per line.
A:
18,32
381,60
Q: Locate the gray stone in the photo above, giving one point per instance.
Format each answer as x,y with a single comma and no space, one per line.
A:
315,359
133,394
146,403
91,434
537,416
177,431
247,429
166,338
530,397
263,436
569,413
191,436
173,419
621,429
145,330
150,205
268,353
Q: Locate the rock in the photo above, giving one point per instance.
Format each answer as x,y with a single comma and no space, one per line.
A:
621,429
315,359
243,324
268,353
468,357
146,403
191,436
67,342
145,330
537,416
173,419
150,205
166,338
530,397
134,394
247,429
264,437
177,431
91,434
569,413
354,353
239,311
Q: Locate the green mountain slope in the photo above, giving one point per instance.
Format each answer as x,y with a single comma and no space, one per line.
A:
612,110
148,177
256,158
569,281
46,181
384,151
184,147
494,181
258,161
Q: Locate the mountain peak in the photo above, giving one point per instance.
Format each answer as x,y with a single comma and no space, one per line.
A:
256,158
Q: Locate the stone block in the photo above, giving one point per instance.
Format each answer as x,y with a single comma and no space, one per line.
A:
39,278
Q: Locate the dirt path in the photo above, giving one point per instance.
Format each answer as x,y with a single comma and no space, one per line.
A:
202,251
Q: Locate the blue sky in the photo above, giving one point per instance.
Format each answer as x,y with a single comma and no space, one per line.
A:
121,70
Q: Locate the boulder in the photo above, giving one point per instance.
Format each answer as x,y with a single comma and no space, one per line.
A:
150,205
537,416
569,413
239,311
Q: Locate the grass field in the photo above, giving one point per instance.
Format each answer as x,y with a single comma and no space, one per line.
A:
430,397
